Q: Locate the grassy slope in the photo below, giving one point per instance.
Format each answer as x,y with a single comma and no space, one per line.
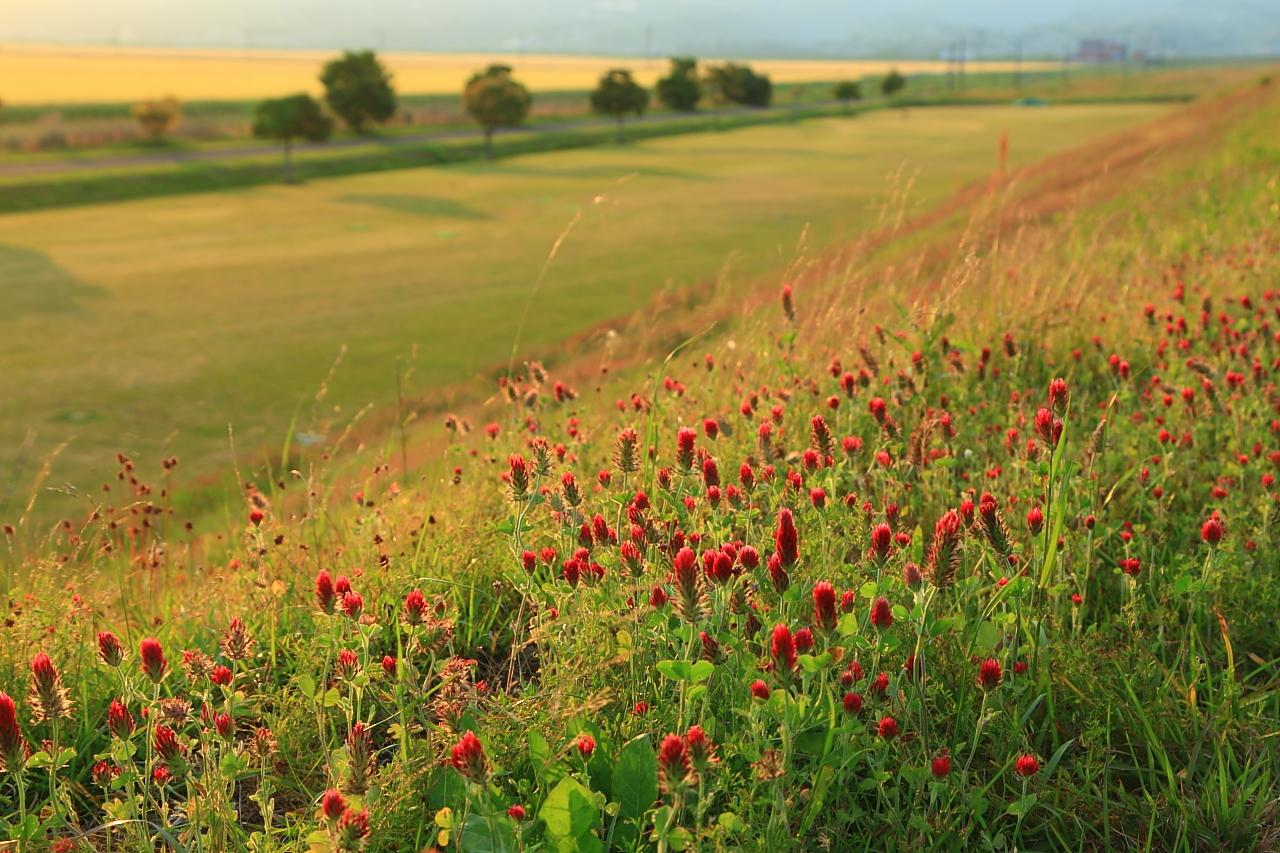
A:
150,326
1154,719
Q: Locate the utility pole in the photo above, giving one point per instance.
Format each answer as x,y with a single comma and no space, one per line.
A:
979,50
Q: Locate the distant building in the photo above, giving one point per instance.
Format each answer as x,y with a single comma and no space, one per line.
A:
1101,50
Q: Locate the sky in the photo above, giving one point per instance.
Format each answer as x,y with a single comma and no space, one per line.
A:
918,28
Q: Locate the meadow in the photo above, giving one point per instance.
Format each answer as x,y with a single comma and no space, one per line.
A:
961,535
151,327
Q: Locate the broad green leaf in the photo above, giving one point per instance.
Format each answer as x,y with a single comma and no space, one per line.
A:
731,822
570,812
232,765
811,742
635,788
702,670
680,839
635,777
809,664
988,636
545,767
676,670
495,833
848,624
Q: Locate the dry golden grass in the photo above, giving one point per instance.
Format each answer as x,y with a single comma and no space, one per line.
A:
42,74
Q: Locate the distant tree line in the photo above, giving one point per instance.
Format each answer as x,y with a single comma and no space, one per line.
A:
685,87
357,89
359,92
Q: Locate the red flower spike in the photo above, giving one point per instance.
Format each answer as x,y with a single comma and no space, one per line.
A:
782,649
467,757
786,539
824,605
989,674
332,805
151,655
881,614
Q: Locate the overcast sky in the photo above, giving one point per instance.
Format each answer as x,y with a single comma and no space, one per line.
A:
727,27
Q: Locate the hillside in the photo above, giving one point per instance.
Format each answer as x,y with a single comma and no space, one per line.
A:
963,535
152,327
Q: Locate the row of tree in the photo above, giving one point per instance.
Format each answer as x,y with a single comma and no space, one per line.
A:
685,87
495,99
358,90
851,90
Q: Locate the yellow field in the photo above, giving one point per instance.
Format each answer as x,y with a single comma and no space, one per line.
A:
43,74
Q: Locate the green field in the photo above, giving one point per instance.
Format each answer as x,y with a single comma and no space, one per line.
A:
147,327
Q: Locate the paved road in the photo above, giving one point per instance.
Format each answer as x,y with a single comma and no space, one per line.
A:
160,158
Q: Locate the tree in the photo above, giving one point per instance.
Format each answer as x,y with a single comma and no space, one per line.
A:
680,89
158,117
738,84
358,89
618,94
293,117
757,89
847,92
494,99
892,83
